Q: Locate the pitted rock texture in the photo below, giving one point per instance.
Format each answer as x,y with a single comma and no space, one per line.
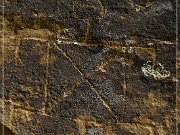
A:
74,67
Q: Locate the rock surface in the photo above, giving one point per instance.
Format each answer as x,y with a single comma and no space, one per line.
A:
89,67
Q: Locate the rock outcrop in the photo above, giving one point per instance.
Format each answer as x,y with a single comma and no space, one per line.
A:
89,67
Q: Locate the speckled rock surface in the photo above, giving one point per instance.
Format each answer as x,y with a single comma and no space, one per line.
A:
89,67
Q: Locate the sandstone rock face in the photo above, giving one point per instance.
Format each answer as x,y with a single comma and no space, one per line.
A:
89,67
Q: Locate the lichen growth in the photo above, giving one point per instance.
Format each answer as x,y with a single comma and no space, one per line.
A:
127,48
66,35
155,70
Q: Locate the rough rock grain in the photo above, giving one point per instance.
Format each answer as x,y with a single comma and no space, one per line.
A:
74,67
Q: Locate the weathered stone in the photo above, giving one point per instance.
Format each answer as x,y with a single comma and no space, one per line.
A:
24,82
83,100
86,67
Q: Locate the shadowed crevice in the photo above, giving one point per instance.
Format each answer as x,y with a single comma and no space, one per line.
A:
6,130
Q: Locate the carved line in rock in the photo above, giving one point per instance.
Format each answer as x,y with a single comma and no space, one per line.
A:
46,82
89,21
93,87
124,53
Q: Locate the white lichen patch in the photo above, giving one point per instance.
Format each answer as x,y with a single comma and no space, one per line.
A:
150,44
127,49
155,70
130,41
66,35
137,8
